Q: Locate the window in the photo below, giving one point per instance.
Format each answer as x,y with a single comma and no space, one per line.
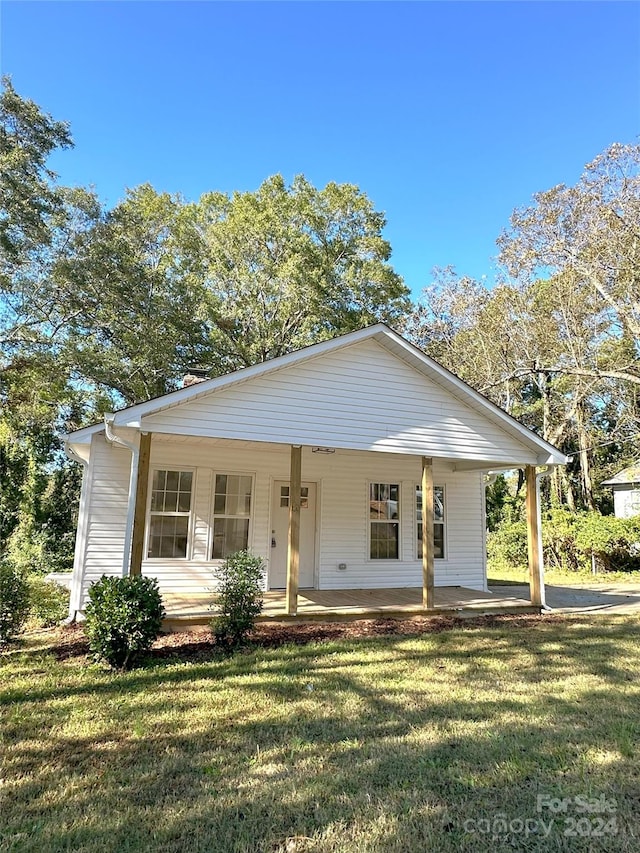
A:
231,514
170,514
304,497
438,521
384,502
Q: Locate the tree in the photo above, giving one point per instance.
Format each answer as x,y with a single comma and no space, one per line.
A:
287,266
36,216
589,236
157,284
38,486
37,219
29,199
585,242
134,285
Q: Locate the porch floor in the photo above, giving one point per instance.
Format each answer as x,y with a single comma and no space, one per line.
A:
341,604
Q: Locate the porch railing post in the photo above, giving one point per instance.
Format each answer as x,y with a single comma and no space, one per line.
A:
533,536
427,534
293,549
140,512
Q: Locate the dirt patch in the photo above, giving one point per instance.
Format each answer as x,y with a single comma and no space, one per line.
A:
72,643
198,644
272,636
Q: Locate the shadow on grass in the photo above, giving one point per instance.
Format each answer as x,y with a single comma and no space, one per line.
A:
384,743
490,642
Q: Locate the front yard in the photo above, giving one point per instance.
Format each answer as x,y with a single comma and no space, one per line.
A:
456,739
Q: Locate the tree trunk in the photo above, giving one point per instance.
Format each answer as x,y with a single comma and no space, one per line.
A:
556,488
545,390
568,489
585,465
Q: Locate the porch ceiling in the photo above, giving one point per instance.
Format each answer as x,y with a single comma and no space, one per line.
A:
273,447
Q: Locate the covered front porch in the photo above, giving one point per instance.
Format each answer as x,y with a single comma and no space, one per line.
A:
343,604
328,599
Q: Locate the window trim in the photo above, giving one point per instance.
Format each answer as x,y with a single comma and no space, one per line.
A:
190,514
211,516
371,521
445,525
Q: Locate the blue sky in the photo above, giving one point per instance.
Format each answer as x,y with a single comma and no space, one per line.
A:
448,115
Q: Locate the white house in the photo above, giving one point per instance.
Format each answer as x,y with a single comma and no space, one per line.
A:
316,461
626,491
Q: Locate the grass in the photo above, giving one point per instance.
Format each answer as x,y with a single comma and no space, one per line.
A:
400,743
502,573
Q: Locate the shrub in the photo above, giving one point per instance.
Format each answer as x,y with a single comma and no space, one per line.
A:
239,598
570,539
124,617
14,601
26,550
49,602
559,527
508,544
614,542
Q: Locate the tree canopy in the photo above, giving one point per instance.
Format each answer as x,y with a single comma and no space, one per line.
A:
286,266
158,284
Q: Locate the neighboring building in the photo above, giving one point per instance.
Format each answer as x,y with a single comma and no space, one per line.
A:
173,485
626,491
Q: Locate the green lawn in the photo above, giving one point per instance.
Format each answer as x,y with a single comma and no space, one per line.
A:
500,573
395,743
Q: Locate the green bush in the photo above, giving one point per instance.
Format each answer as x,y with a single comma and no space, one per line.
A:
14,601
124,617
27,551
49,602
614,542
239,598
559,526
508,544
569,539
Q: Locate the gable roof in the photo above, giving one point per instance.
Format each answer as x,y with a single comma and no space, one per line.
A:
625,477
392,342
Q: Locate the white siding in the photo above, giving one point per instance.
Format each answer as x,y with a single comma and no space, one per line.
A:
342,535
109,484
359,397
345,524
626,501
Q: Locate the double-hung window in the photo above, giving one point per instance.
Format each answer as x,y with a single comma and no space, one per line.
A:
170,514
438,521
384,521
231,514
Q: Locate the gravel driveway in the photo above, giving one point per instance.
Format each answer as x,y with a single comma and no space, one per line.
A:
583,598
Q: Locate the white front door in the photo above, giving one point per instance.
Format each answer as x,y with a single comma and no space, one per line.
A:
280,535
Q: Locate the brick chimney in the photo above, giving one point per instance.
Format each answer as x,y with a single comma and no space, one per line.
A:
194,375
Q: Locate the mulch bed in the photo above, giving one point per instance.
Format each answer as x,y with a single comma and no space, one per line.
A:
197,645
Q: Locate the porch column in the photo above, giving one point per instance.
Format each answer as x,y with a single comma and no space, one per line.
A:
533,536
140,512
293,550
427,534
